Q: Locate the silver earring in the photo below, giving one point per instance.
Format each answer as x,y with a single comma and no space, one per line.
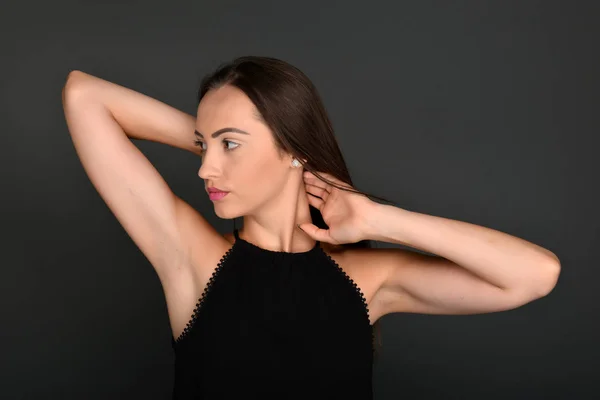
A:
295,163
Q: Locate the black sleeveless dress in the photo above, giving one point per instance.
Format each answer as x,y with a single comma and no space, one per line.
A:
275,324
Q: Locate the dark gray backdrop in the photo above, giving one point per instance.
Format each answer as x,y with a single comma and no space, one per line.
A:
482,111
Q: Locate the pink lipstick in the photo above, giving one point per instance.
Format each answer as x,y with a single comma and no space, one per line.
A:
217,195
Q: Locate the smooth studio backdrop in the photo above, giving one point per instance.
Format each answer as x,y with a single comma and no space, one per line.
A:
481,111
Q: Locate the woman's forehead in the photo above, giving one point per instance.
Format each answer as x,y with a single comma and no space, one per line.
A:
227,103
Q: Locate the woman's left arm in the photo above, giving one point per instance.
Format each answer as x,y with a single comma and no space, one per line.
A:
478,269
481,269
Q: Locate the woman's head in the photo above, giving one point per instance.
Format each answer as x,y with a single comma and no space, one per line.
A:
280,109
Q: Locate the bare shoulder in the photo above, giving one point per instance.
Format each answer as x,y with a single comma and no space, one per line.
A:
229,237
362,266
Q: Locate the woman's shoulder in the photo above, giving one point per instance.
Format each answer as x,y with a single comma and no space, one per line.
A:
229,237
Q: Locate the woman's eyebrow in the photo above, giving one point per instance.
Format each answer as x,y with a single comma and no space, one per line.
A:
221,131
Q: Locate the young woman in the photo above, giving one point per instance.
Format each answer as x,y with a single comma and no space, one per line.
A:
286,306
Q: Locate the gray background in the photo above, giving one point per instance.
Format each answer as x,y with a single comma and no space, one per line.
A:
481,111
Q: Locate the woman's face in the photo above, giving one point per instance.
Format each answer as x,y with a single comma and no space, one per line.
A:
241,158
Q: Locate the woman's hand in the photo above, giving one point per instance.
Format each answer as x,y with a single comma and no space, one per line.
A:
345,213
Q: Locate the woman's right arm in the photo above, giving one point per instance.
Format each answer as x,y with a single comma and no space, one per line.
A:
102,117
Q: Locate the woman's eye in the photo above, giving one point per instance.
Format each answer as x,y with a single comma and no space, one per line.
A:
231,143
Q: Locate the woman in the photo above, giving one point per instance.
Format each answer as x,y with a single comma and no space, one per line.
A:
287,306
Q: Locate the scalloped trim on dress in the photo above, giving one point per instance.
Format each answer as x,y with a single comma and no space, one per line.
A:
209,285
359,293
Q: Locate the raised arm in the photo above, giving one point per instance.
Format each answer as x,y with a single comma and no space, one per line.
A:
102,117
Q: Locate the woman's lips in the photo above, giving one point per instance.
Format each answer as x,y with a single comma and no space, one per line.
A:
217,195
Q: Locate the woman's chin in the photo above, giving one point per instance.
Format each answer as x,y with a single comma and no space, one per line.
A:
225,212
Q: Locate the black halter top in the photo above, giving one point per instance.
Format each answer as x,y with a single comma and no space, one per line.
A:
273,324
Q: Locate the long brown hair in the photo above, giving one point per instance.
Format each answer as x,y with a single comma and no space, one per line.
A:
290,105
